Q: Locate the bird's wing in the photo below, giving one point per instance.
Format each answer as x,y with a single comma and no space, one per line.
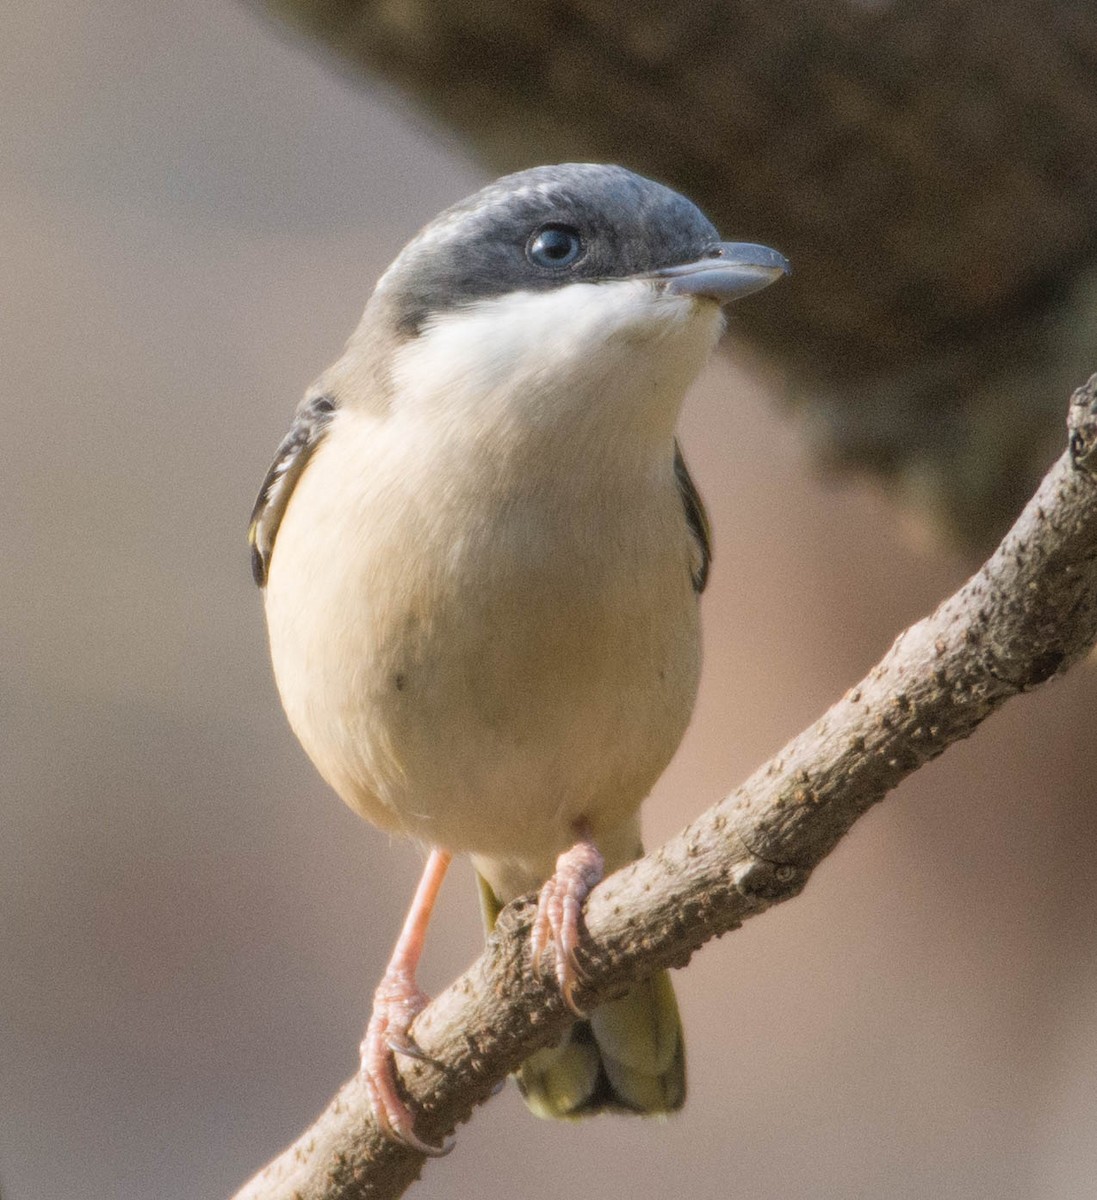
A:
310,423
696,519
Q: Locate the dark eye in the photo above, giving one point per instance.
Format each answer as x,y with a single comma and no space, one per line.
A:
554,247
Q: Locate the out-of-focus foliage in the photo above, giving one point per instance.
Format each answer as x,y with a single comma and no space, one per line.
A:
929,167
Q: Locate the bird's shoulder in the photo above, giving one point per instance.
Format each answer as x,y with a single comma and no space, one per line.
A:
310,423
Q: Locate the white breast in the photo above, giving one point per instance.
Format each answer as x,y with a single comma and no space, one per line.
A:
480,608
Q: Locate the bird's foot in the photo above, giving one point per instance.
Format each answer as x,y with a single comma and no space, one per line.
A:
559,914
396,1003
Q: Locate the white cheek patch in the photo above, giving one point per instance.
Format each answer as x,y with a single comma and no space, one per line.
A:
575,335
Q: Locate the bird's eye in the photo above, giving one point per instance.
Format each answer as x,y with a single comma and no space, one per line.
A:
554,247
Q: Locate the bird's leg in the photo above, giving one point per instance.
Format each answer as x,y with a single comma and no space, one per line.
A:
560,909
397,1001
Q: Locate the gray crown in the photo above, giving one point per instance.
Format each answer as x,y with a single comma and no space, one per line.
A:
477,249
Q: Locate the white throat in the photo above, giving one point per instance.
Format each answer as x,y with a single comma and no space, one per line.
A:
604,361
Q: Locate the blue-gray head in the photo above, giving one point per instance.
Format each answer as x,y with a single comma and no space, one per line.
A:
549,227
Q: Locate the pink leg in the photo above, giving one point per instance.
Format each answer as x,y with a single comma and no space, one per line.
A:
396,1004
560,908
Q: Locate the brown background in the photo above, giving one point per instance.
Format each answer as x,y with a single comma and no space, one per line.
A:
192,212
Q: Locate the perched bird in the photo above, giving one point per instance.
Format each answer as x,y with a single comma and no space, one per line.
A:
482,552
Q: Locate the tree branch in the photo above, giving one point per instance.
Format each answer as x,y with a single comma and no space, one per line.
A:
1024,617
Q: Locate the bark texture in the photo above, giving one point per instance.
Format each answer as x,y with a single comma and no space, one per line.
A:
929,167
1024,617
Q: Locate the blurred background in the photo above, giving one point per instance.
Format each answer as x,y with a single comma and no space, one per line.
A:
194,204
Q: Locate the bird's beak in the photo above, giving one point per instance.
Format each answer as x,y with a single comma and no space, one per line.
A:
729,271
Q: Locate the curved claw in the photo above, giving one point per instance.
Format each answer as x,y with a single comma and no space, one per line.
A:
568,987
567,990
396,1123
413,1142
400,1041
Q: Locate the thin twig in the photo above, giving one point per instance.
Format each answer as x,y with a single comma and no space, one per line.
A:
1024,617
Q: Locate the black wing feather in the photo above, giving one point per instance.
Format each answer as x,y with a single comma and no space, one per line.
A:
310,423
696,519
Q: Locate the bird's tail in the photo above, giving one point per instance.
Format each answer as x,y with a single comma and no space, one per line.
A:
627,1056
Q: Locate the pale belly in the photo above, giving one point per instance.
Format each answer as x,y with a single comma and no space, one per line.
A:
484,684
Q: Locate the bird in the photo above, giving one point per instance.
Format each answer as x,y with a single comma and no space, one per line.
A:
481,555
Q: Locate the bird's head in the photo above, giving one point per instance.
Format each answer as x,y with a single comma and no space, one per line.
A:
573,281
